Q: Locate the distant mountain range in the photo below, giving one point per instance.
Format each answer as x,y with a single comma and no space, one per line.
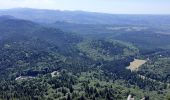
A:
51,16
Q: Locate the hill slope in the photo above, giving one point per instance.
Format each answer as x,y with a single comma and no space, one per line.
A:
43,63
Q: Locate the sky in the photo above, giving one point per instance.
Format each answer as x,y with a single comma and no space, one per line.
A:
106,6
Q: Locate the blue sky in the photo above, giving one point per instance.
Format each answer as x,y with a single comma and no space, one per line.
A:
107,6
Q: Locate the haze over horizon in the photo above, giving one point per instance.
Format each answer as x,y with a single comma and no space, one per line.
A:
103,6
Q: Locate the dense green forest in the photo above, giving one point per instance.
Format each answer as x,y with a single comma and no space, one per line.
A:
83,61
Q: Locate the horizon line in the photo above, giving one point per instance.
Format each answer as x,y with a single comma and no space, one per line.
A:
86,11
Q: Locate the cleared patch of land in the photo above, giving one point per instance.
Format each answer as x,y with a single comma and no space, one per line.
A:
134,66
54,73
24,78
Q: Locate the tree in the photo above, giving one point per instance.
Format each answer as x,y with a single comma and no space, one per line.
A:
82,97
69,97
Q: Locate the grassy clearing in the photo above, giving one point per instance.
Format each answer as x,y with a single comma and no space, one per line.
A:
134,66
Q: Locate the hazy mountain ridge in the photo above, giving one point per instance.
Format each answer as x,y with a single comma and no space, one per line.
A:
51,16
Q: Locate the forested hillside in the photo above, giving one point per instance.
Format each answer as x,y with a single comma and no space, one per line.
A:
64,60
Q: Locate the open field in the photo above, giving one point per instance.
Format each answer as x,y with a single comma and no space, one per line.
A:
136,64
